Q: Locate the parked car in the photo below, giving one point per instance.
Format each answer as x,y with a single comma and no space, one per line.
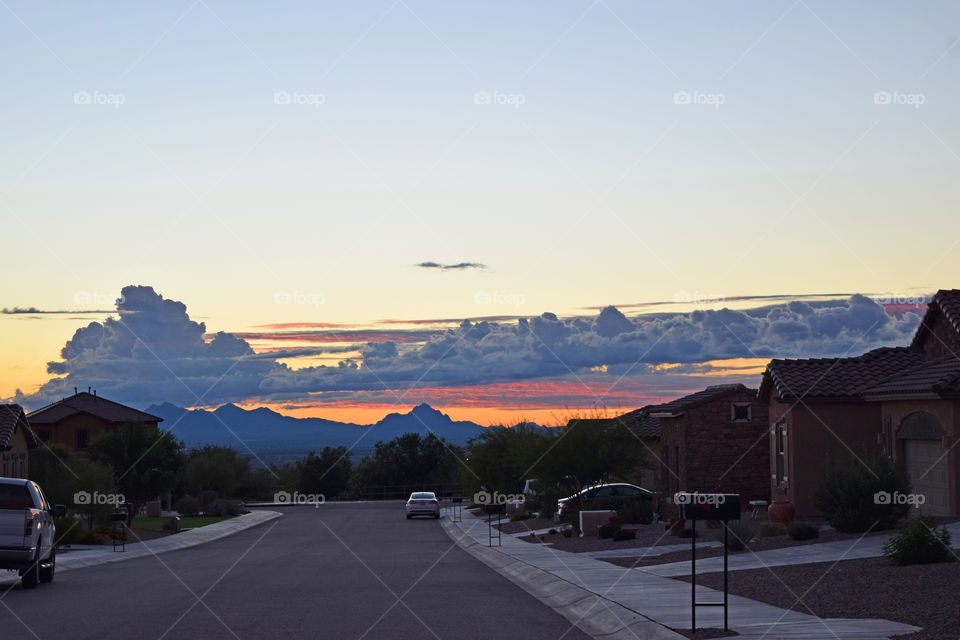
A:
614,495
422,503
27,532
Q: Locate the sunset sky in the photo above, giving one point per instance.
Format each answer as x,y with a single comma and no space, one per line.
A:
336,186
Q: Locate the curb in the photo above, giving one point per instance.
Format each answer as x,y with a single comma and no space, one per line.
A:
609,621
185,540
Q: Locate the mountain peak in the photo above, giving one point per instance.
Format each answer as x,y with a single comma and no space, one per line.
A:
424,408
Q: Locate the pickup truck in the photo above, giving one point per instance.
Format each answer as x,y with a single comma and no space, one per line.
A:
27,533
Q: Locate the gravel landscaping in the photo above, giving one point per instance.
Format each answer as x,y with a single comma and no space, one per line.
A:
921,595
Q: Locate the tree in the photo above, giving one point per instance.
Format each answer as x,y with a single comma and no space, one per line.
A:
592,451
84,485
411,460
144,459
215,468
327,474
502,458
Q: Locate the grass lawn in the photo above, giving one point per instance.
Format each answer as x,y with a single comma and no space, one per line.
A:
156,524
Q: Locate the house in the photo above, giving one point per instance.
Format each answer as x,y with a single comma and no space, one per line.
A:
903,399
78,419
16,440
715,439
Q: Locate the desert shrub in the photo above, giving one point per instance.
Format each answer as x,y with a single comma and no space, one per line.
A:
803,531
567,532
847,490
607,530
517,517
624,534
74,531
741,533
235,508
772,529
187,506
919,543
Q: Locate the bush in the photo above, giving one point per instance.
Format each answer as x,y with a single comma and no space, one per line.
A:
608,530
919,543
517,517
804,531
847,489
187,506
741,533
567,532
624,534
772,529
74,531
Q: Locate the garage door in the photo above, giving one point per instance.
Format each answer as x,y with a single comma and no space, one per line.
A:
927,469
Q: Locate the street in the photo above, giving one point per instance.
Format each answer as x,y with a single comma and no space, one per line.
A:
340,571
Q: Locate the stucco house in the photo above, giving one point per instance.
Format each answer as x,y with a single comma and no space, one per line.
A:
77,420
903,399
16,440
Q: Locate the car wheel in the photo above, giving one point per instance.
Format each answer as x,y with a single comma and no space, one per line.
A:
409,516
47,571
31,576
437,516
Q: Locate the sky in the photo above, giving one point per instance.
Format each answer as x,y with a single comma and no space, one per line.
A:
336,187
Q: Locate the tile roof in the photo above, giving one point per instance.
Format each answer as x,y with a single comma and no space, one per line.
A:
92,404
837,377
641,422
700,397
936,376
948,303
12,415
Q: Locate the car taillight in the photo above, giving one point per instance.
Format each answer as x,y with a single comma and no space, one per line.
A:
28,527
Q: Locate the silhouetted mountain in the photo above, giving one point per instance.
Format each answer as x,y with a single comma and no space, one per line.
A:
275,437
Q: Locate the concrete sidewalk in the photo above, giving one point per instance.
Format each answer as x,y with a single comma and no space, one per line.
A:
88,556
656,598
852,549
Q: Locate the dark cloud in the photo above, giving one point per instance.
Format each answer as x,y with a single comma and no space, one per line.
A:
154,351
457,266
34,311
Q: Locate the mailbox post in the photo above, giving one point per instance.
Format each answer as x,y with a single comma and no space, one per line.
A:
494,510
456,509
708,506
118,531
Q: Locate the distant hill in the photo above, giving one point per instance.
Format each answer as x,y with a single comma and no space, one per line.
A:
277,438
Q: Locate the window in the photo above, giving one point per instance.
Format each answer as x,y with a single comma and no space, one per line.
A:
83,438
740,412
780,435
628,492
603,492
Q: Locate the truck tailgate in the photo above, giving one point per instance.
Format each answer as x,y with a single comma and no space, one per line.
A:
11,527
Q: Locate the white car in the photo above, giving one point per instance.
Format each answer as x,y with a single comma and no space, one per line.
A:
27,534
422,503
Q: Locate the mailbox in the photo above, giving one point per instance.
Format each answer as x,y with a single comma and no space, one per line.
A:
708,506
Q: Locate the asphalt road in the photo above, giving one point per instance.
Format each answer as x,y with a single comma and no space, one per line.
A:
340,571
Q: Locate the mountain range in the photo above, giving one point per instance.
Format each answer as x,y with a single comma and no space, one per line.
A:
276,438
